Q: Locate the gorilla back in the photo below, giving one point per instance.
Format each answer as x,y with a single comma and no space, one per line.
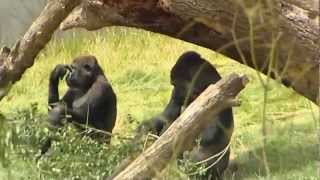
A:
190,76
90,98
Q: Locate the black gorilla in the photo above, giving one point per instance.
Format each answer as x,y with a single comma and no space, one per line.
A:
90,98
190,76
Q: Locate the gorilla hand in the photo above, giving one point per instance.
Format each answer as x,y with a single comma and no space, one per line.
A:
59,72
56,114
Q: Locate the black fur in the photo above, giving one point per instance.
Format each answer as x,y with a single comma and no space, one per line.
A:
190,76
90,98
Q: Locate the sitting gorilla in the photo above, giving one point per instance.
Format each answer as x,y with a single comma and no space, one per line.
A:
90,98
190,76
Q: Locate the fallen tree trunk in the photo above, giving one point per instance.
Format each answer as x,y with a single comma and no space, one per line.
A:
279,37
182,133
13,63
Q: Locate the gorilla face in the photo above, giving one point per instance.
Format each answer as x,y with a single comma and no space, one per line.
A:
83,72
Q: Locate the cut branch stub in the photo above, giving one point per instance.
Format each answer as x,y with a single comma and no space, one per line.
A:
23,54
180,135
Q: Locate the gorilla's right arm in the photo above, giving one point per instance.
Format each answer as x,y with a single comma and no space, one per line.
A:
170,113
57,108
58,72
173,109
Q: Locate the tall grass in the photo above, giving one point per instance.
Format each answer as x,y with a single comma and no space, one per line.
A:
138,63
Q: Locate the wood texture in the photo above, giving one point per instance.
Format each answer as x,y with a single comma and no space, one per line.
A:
279,38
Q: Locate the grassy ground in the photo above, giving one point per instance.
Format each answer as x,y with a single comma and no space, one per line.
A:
138,64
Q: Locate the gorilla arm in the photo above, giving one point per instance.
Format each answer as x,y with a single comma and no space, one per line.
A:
57,110
172,111
58,73
170,114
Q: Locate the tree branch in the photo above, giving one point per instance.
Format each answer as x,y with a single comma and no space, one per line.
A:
13,63
279,38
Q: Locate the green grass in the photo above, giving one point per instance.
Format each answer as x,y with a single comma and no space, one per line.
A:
137,64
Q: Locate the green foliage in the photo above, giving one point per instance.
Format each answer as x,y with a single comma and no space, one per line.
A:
4,141
70,150
138,63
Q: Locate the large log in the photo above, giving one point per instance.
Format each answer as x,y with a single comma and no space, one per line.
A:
277,37
182,133
13,63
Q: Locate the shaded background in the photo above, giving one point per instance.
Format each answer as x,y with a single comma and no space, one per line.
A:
16,16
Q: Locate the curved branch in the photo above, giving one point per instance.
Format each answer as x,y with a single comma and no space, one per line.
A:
284,32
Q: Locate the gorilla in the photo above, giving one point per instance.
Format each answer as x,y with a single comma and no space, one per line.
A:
90,99
190,76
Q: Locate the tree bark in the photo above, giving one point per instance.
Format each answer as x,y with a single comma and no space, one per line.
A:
13,63
182,133
279,38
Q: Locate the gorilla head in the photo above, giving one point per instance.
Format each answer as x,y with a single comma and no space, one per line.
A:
83,72
190,76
